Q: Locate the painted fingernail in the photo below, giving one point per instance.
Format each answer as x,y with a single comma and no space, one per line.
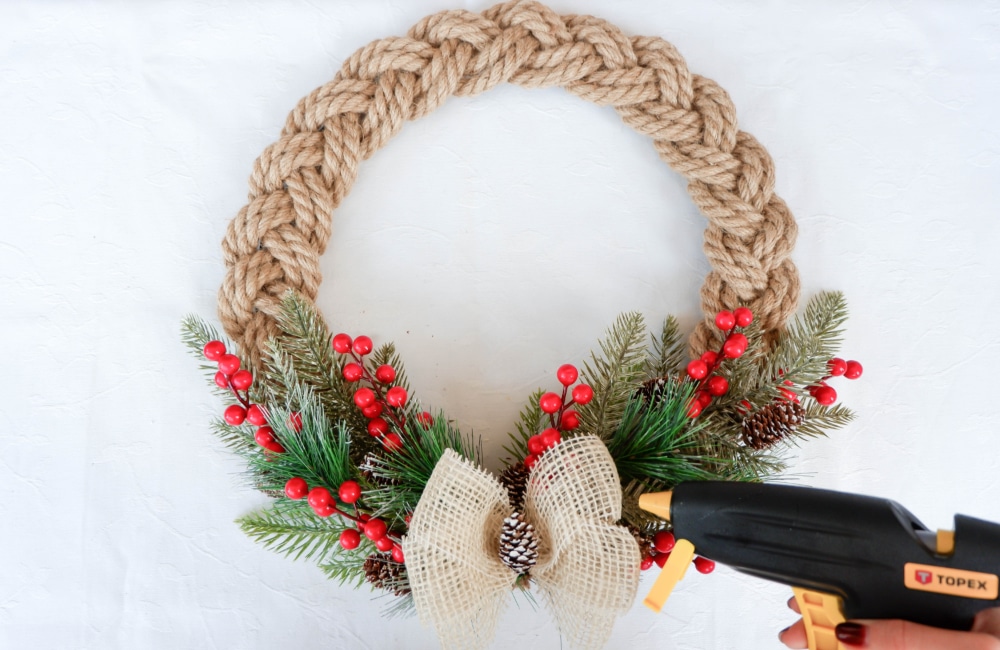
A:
851,633
782,633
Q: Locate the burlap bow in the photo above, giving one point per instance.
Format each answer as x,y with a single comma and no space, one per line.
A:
587,569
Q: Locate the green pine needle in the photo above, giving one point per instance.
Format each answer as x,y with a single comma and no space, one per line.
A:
293,530
658,444
614,375
346,568
406,472
668,351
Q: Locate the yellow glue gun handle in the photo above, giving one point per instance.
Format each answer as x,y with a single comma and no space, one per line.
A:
821,614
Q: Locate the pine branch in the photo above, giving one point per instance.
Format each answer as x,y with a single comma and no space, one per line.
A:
614,375
320,452
306,342
195,333
386,355
238,439
658,443
345,568
530,421
406,472
294,531
819,420
668,352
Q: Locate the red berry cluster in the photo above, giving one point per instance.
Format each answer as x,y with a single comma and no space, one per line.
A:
239,381
349,494
703,369
561,417
663,544
381,402
837,367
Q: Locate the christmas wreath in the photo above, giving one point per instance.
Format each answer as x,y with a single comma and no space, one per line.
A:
377,488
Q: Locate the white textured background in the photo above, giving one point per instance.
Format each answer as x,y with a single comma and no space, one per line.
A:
492,241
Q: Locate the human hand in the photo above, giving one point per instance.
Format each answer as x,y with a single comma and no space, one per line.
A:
903,635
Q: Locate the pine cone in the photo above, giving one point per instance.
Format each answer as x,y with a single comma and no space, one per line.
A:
645,542
513,480
772,423
518,546
652,390
368,464
384,573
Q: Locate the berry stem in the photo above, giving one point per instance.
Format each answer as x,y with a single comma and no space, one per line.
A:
376,386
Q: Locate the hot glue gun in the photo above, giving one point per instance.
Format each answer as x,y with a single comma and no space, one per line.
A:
844,555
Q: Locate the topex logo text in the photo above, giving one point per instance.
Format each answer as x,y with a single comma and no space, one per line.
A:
953,582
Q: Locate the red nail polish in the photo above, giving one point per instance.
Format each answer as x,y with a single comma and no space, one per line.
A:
851,633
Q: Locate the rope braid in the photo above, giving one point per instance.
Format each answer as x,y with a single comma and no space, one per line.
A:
275,242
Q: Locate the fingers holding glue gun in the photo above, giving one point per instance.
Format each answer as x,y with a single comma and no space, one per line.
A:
903,635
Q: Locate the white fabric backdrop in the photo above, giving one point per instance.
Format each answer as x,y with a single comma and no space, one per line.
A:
492,241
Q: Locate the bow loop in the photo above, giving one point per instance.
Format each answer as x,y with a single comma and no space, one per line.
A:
588,567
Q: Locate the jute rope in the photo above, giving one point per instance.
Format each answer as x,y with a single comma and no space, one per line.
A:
275,242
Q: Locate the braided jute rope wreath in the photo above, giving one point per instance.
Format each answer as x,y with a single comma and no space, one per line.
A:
275,242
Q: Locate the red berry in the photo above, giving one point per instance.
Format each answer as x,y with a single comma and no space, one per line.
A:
664,541
364,519
825,395
229,363
788,395
709,357
567,374
704,565
530,460
425,419
350,539
646,563
570,420
743,316
264,436
319,497
735,345
364,397
295,421
324,511
375,529
242,379
661,559
385,374
353,372
234,415
704,398
853,370
535,445
221,380
718,386
296,488
397,553
836,366
256,415
550,403
378,427
383,544
373,411
362,345
396,396
550,438
342,343
582,394
407,518
695,409
349,491
214,350
697,369
725,320
392,442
